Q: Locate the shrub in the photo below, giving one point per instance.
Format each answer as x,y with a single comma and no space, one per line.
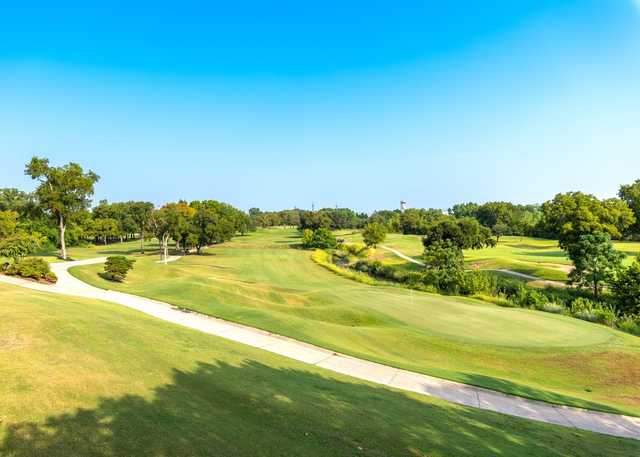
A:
605,315
629,324
582,304
32,267
355,249
117,267
552,307
323,258
19,245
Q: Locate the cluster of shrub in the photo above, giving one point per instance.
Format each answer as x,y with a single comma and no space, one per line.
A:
506,292
30,267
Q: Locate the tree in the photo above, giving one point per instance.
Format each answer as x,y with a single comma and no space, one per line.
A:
595,262
321,238
626,288
390,219
105,229
464,233
374,234
444,264
464,210
314,220
8,223
160,225
571,215
443,255
630,193
499,230
19,245
492,213
141,215
116,267
13,200
206,228
63,191
416,220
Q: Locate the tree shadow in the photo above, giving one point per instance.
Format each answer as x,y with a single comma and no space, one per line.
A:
513,388
257,410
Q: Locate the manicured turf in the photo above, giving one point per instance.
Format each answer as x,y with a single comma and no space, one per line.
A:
261,280
532,256
85,378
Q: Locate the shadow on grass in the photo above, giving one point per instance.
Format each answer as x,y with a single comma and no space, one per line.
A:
559,254
503,385
256,410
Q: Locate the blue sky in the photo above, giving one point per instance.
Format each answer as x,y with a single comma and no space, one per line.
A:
360,104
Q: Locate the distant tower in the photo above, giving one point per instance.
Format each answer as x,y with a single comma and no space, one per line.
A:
403,205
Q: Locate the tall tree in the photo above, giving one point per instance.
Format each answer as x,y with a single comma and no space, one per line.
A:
571,215
465,233
8,223
141,214
630,193
595,262
63,191
374,234
626,288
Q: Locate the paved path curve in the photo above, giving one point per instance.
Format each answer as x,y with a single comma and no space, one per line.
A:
611,424
402,255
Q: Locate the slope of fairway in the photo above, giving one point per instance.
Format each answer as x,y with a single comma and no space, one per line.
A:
261,280
88,378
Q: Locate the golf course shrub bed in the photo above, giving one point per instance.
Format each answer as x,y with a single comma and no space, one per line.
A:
32,268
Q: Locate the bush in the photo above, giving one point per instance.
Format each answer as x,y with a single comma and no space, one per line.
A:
354,249
323,258
32,267
605,315
117,267
552,307
629,324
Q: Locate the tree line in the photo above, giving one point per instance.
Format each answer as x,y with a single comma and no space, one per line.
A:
58,212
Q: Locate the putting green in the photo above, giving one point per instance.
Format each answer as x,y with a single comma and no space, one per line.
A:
262,281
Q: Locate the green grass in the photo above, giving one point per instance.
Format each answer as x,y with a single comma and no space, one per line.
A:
93,379
262,281
532,256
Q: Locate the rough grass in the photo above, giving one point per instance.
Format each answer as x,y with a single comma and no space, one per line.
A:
263,281
86,378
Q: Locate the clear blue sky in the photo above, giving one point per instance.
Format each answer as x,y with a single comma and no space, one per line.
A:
361,104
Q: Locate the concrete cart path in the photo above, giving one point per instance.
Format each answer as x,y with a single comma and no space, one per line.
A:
611,424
